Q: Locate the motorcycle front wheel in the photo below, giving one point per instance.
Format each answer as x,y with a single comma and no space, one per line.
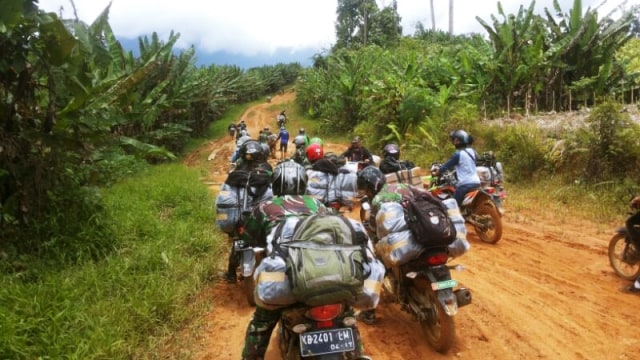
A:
623,257
490,228
438,327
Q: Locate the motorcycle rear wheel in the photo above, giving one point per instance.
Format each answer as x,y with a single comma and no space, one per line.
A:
493,232
248,286
439,330
621,253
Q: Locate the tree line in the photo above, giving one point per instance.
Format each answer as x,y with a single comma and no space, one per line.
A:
77,111
408,88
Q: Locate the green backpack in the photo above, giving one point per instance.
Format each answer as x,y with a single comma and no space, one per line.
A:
325,260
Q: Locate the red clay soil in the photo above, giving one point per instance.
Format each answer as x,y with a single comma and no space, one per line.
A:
545,291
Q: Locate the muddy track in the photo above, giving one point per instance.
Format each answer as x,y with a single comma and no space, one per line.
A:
545,291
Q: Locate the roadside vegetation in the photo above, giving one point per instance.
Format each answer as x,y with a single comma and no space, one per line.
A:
106,240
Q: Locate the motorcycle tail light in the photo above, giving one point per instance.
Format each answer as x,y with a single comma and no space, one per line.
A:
491,190
240,230
437,259
325,312
335,205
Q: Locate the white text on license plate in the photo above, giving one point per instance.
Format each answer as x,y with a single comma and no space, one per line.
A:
326,342
444,284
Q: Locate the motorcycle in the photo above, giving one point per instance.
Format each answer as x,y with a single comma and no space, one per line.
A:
325,332
491,175
245,259
424,288
624,254
479,208
281,119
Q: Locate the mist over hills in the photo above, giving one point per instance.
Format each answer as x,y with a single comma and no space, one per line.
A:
284,56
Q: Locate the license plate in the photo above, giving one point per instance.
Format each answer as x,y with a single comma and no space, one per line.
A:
444,284
327,342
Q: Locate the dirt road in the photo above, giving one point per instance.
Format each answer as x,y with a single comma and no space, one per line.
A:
545,291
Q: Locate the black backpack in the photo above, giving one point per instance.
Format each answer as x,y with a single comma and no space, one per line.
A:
427,219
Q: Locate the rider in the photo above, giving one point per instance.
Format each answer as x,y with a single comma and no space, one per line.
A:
300,141
391,162
634,232
464,161
357,152
301,138
283,136
232,130
372,184
251,167
282,118
288,185
252,157
242,125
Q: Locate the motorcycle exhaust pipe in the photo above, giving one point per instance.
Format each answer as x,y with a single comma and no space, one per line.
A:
463,296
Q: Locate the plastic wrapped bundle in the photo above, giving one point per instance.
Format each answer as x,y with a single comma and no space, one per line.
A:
273,289
398,248
325,187
370,296
230,203
285,230
318,184
389,219
343,188
460,245
485,175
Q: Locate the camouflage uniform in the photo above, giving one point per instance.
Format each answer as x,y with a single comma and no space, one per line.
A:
268,214
262,220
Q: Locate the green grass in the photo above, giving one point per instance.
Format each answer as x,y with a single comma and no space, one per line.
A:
122,306
558,201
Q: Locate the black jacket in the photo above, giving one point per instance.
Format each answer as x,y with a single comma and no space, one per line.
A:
391,165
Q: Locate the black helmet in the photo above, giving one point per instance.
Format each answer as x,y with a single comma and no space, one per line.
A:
251,150
371,178
289,178
463,137
392,150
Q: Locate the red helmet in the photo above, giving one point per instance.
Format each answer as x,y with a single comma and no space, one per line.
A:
314,152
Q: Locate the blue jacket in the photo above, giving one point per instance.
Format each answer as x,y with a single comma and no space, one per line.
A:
464,161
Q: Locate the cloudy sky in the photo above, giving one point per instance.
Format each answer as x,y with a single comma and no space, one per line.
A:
263,28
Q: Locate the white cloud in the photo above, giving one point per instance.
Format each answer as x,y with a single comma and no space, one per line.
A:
249,27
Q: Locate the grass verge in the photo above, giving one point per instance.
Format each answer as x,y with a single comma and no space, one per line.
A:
121,306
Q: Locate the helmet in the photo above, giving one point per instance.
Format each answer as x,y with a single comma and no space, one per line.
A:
391,150
316,140
282,128
301,131
371,178
314,152
251,150
289,178
356,140
266,129
463,137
